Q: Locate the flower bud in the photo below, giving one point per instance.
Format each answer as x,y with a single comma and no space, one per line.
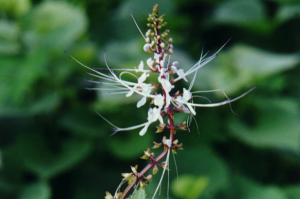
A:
133,169
156,145
108,196
126,176
148,33
164,165
183,126
148,178
147,48
155,169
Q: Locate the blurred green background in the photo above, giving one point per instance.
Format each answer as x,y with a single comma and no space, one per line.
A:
53,145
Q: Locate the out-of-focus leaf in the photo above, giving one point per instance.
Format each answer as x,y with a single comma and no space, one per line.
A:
38,156
249,14
210,172
91,127
189,187
55,25
246,189
9,33
277,125
243,65
15,8
18,75
286,1
46,104
293,192
139,194
0,160
40,190
132,146
287,12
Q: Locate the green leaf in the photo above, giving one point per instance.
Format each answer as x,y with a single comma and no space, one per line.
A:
293,191
189,186
287,12
55,25
247,188
40,190
277,125
15,8
248,14
41,159
203,171
139,194
132,145
9,33
244,66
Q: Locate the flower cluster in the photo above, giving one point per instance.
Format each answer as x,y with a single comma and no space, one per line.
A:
164,104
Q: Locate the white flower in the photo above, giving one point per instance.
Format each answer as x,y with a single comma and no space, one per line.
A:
159,100
181,100
181,74
143,87
140,67
174,67
153,116
151,63
157,59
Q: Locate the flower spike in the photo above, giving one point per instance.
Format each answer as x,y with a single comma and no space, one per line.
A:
165,99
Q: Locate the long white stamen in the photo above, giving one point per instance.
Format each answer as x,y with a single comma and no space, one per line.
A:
114,93
122,82
137,26
162,176
125,72
216,90
105,118
123,181
117,129
108,78
201,97
102,74
200,65
135,188
106,89
215,104
176,174
194,78
196,124
102,83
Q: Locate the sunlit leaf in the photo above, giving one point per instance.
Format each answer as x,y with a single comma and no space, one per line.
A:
139,194
246,188
15,8
9,33
189,186
40,190
244,67
65,23
287,12
293,191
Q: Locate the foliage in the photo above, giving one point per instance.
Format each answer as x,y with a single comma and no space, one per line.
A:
53,145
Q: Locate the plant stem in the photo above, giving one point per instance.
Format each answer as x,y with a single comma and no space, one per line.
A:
157,159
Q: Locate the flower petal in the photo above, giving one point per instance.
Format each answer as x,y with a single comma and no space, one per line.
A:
144,130
141,102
